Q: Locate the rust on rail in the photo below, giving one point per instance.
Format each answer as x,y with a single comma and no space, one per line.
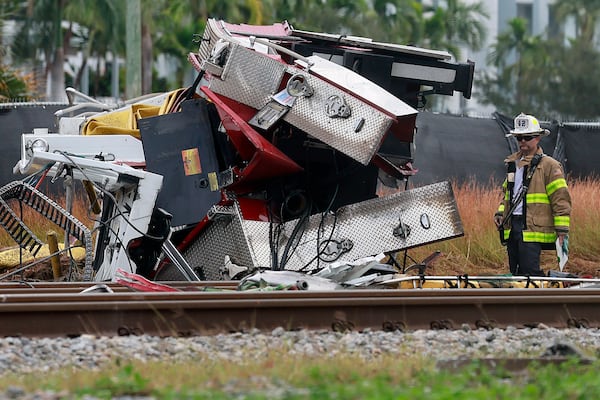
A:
53,310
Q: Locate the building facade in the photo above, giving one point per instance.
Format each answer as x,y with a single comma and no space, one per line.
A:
541,21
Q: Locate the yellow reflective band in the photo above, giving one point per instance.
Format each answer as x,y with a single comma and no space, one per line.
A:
506,194
506,234
501,208
555,185
541,198
539,237
562,220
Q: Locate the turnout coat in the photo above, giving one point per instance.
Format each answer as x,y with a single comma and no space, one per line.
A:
547,204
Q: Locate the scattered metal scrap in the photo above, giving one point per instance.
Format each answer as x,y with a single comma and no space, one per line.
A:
195,309
267,169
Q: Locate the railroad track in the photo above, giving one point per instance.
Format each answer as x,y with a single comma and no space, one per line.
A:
206,308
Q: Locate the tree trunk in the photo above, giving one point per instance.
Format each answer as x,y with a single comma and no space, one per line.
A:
57,76
147,58
57,63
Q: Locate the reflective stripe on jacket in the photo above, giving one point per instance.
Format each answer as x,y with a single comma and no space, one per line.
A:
547,205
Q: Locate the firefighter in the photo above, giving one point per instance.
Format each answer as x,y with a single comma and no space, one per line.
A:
536,207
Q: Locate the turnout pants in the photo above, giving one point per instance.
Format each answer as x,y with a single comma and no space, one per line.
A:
523,257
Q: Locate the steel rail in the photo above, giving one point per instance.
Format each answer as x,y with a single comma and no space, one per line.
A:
202,312
21,287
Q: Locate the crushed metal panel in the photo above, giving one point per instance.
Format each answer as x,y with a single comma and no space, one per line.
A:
117,148
368,43
403,220
223,237
400,221
358,135
359,85
249,77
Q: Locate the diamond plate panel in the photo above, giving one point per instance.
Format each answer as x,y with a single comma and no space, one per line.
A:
210,36
252,78
358,136
426,215
249,77
224,236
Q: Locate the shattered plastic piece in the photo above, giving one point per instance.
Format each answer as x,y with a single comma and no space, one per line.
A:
343,272
140,283
285,280
231,270
101,287
367,280
333,271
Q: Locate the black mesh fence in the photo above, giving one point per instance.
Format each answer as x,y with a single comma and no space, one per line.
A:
16,119
446,147
461,148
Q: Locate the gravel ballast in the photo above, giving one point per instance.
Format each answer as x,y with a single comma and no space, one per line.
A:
28,355
22,355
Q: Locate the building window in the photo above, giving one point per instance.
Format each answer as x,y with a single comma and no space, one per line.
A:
555,30
525,11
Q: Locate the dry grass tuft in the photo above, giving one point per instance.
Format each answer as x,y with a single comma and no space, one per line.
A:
39,225
478,252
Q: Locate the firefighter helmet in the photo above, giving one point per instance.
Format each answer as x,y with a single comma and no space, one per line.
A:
528,125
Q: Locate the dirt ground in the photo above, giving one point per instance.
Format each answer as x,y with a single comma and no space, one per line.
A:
43,272
581,267
443,265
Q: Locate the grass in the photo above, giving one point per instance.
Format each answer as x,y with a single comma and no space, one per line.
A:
478,252
344,377
348,376
39,225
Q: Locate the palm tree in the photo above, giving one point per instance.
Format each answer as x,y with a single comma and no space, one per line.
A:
455,24
326,16
47,15
41,31
8,9
101,30
514,40
586,13
518,58
169,26
400,20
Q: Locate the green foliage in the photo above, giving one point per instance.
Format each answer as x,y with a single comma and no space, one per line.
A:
586,14
456,24
581,78
324,377
570,379
97,28
540,75
12,86
533,73
127,382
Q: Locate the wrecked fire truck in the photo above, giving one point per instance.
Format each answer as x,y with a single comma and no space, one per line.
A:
271,160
